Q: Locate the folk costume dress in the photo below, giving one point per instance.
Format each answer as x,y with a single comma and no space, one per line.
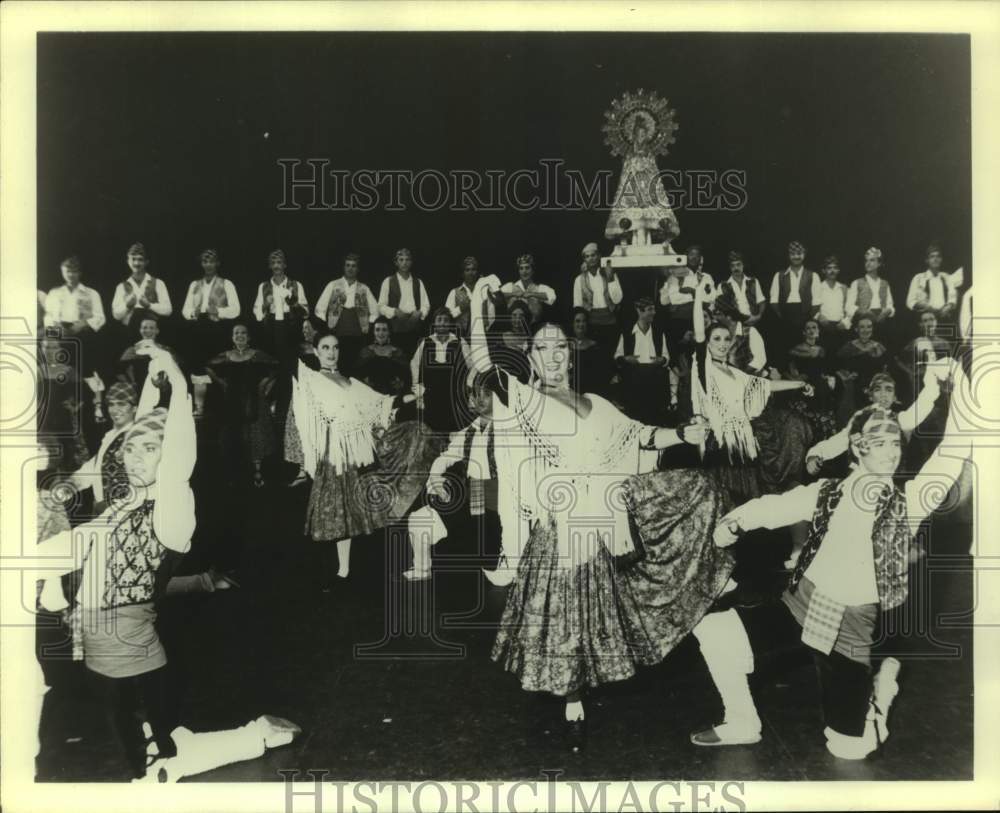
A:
570,498
366,470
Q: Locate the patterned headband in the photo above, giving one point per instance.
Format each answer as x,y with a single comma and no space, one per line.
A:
277,254
152,423
403,252
122,392
735,256
881,424
525,258
873,254
137,250
209,254
590,247
796,246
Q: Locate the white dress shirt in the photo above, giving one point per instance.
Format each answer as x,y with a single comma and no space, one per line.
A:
162,307
230,311
793,287
740,294
645,349
479,465
61,305
517,288
833,301
282,293
597,289
939,288
407,302
440,353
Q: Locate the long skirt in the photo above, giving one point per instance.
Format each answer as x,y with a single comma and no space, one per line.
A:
357,502
567,627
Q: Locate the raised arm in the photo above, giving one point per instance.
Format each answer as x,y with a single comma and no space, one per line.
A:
173,514
928,490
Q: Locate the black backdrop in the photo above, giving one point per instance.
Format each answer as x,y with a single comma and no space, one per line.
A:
846,140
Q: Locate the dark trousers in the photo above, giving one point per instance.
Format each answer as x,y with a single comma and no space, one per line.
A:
845,685
123,698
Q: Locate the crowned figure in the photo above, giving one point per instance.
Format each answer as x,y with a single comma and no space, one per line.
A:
639,127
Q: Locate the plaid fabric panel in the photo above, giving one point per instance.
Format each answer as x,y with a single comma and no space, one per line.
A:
822,622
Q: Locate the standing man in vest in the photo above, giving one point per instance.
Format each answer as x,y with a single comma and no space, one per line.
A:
794,300
459,301
870,295
932,290
852,569
138,296
210,306
348,308
280,307
77,311
642,357
404,302
598,292
833,318
536,295
740,303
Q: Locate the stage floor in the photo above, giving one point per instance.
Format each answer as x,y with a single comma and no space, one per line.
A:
393,680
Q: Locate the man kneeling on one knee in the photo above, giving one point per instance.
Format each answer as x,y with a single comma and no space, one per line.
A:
852,567
472,449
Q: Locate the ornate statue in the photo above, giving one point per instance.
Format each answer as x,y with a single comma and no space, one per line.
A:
639,127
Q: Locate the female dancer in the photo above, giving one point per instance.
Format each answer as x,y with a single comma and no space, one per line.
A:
730,400
365,472
857,362
247,377
569,621
807,361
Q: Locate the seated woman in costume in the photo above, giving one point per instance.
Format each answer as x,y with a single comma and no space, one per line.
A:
807,362
381,365
856,362
594,370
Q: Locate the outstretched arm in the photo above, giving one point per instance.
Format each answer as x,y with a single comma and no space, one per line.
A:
771,511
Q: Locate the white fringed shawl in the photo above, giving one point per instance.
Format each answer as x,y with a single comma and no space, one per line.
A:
336,422
554,466
729,404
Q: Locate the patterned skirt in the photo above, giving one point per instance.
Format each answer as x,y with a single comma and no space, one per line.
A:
358,502
565,628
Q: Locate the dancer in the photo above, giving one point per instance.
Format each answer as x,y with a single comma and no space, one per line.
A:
128,554
642,357
382,365
141,294
853,566
569,622
593,366
247,377
536,294
459,299
352,494
730,399
438,370
870,295
77,311
856,363
599,292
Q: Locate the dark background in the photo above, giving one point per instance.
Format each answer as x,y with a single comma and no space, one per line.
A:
847,141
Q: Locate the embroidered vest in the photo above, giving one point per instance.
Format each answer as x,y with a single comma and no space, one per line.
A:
84,302
865,294
728,301
587,293
395,294
628,341
805,287
293,293
134,558
114,479
464,304
147,289
338,296
890,541
216,296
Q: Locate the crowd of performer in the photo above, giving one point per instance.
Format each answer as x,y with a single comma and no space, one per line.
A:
691,414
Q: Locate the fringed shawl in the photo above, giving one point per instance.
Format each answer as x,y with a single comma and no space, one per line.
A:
554,466
336,422
730,404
